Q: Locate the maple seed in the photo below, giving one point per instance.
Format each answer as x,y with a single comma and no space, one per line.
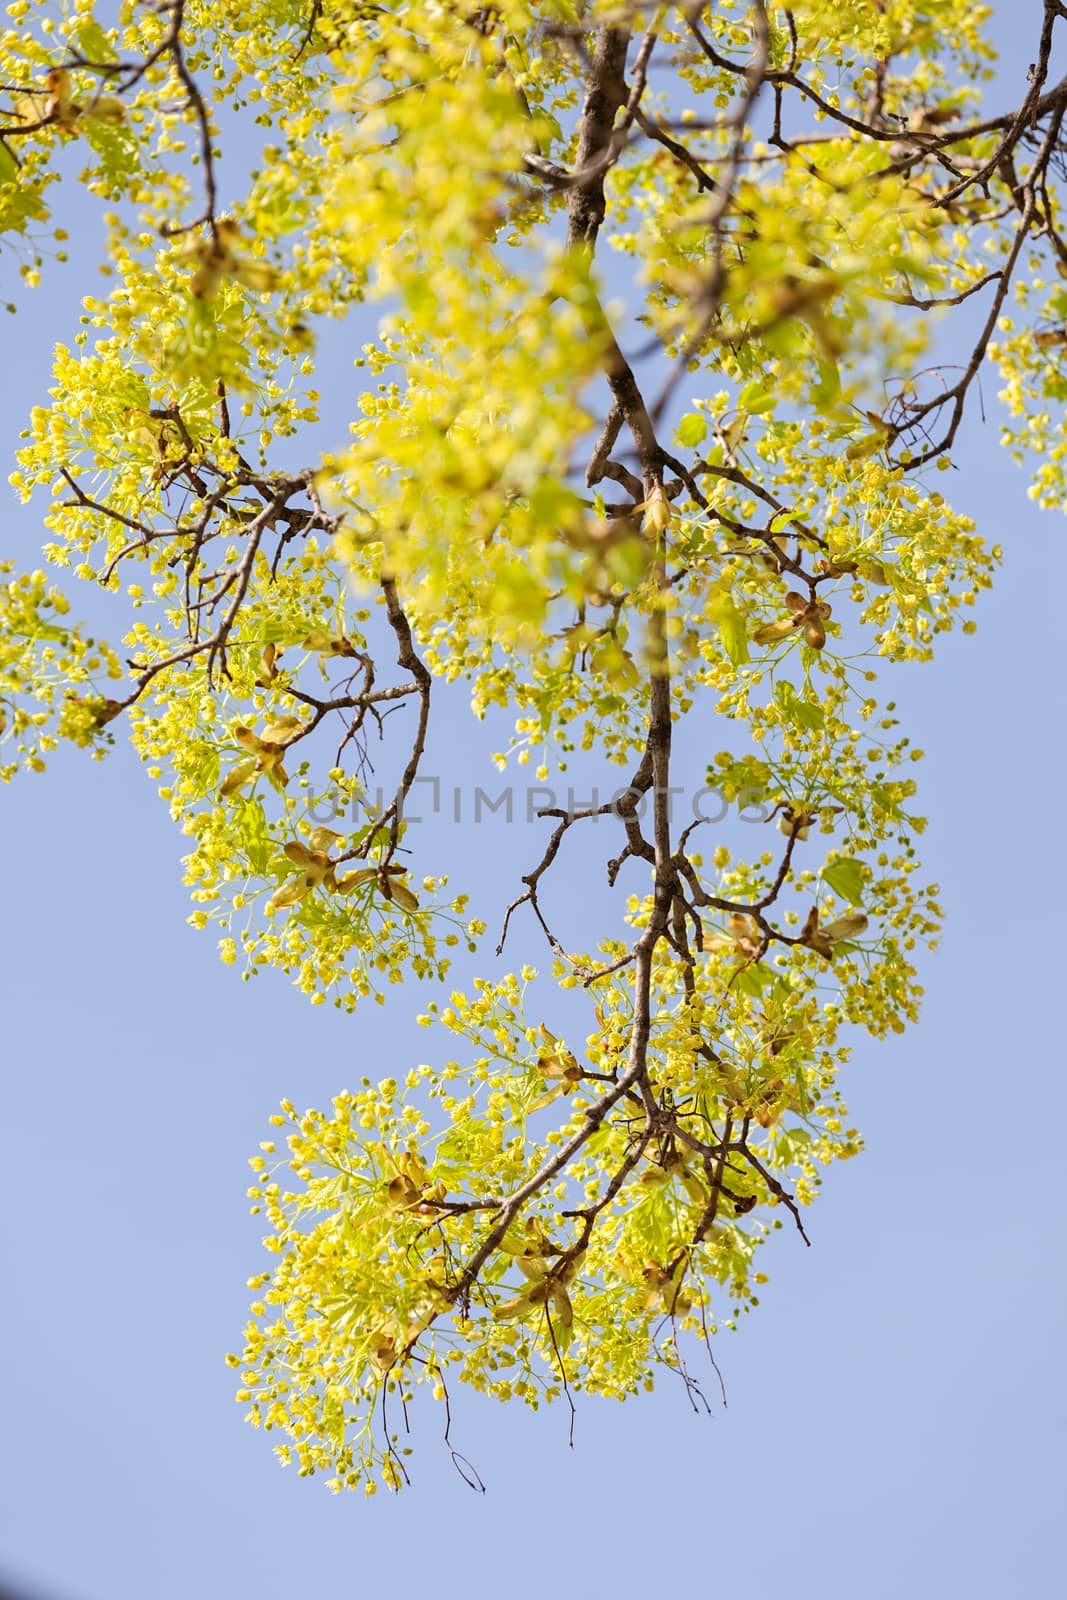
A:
822,940
814,632
57,106
657,516
268,666
218,257
773,632
796,824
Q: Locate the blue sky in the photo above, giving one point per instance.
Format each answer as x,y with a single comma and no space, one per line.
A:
896,1404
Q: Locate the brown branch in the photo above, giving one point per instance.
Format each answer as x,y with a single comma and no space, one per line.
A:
605,93
408,658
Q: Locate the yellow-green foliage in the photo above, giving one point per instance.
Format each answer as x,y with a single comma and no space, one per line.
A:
725,545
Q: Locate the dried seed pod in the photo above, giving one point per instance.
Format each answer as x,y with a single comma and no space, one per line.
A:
773,632
814,632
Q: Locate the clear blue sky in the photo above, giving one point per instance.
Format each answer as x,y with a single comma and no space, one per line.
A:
896,1406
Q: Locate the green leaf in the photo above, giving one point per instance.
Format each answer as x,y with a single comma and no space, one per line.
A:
868,446
753,980
93,42
803,713
808,714
845,877
731,623
828,389
205,774
692,430
756,399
